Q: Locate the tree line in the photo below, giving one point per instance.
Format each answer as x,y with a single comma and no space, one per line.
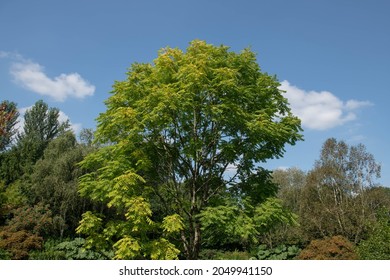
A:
173,171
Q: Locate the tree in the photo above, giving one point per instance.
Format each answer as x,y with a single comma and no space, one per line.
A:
291,182
54,182
189,126
335,200
41,125
8,119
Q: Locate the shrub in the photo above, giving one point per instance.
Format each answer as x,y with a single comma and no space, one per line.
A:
330,248
68,250
281,252
24,231
19,243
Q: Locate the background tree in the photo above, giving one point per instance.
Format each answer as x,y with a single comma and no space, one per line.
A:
182,122
54,182
335,200
290,182
8,119
41,125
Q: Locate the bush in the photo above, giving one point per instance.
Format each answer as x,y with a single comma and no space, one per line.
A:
69,250
377,245
330,248
281,252
19,243
24,231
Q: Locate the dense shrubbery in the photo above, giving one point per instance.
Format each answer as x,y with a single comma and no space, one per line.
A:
330,248
281,252
68,250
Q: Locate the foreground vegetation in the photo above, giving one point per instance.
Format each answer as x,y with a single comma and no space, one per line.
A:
173,171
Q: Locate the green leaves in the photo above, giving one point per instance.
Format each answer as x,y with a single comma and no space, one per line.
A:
90,223
172,224
127,248
271,213
241,223
172,129
113,180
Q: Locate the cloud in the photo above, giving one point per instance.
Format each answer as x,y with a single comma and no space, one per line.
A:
11,55
76,127
320,110
31,76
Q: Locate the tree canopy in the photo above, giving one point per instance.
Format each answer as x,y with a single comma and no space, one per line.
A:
184,128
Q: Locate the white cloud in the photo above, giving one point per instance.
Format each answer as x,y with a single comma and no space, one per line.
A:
76,127
354,104
11,55
320,110
32,76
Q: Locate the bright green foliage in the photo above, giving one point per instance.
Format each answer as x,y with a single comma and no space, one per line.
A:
182,123
115,183
227,226
162,249
241,223
271,213
172,224
127,248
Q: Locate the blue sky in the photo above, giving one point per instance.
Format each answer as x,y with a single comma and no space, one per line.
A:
332,57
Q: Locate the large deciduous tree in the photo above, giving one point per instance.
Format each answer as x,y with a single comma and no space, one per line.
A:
181,131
